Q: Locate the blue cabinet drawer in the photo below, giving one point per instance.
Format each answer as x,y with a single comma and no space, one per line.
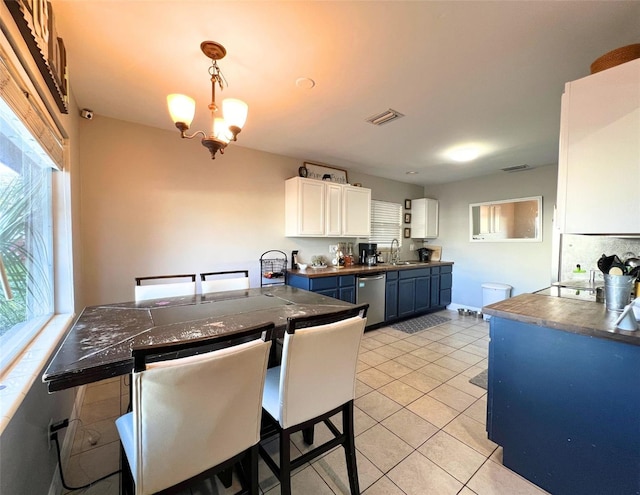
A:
418,272
347,280
323,283
446,269
392,275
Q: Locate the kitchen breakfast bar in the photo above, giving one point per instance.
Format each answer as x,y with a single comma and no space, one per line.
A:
564,394
98,345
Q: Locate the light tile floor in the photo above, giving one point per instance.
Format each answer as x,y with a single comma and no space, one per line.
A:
420,424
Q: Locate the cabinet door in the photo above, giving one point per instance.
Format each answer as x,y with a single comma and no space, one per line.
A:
333,212
424,218
391,299
422,301
435,291
406,296
328,292
599,161
347,294
446,282
356,211
304,207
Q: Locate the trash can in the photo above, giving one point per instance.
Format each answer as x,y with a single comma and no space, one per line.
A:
493,292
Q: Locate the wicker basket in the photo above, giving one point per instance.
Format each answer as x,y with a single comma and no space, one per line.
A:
616,57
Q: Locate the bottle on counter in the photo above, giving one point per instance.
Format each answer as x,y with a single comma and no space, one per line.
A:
348,258
340,256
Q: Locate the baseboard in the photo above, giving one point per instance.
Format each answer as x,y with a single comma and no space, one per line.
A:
56,487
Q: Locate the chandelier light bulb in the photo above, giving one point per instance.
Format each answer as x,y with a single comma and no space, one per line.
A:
221,130
235,112
181,108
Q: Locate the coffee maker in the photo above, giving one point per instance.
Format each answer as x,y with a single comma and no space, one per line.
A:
424,254
367,253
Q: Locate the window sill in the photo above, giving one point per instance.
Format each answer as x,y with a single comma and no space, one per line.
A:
27,368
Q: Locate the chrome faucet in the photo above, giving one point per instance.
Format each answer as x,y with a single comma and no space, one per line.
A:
395,254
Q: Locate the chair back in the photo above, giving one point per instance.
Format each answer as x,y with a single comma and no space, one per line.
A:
192,413
223,281
319,358
145,290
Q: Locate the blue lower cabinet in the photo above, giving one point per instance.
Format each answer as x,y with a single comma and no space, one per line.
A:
408,292
406,296
339,287
564,407
446,283
328,292
435,291
423,290
391,296
347,294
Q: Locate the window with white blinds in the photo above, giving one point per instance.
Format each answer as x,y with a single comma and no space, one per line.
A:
386,223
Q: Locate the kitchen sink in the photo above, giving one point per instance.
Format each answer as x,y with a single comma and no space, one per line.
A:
412,262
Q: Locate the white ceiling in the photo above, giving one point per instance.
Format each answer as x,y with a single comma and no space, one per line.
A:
487,72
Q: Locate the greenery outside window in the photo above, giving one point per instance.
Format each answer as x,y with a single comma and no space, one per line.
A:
26,236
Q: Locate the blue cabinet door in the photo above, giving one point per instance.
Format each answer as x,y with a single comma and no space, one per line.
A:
435,291
391,300
328,292
422,301
406,296
347,294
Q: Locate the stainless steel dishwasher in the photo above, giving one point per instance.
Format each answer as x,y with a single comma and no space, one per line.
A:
370,289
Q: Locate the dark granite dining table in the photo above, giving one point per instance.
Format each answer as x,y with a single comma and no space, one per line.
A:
99,343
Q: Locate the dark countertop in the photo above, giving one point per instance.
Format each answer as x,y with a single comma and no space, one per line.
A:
570,315
99,343
363,269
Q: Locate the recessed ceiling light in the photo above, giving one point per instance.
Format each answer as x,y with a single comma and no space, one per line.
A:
305,83
411,172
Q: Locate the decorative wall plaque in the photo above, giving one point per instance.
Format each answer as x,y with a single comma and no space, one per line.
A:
36,23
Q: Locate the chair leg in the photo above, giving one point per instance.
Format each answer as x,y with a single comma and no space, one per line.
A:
350,447
252,470
308,434
285,463
126,477
226,477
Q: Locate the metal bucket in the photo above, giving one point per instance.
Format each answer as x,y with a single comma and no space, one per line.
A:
617,291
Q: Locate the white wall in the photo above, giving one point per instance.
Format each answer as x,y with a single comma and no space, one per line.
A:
524,265
153,203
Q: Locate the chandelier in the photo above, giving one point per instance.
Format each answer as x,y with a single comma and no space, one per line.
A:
223,129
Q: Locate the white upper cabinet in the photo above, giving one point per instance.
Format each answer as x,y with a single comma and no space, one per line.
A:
599,161
424,218
356,214
333,213
304,207
316,208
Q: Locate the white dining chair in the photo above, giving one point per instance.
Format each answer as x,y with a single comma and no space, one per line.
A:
315,381
224,281
158,286
194,416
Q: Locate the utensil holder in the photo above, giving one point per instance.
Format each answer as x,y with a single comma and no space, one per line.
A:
617,291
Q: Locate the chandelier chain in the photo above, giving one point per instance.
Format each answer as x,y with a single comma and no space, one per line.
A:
217,75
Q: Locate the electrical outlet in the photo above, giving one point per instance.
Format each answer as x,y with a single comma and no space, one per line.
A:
412,246
333,248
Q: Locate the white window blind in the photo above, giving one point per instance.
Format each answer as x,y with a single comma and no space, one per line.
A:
386,223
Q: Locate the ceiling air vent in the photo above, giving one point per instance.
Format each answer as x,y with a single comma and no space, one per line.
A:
516,168
385,117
